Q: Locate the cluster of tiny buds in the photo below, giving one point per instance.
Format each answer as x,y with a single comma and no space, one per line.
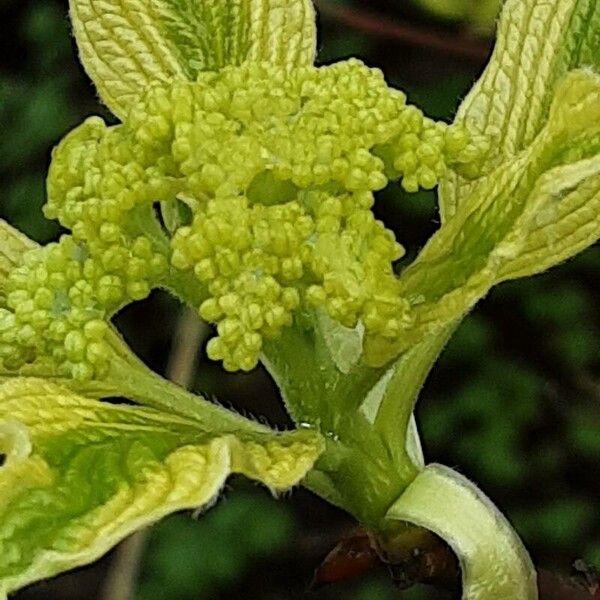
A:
278,169
59,300
52,310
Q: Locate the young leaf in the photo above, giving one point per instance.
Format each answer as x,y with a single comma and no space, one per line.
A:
13,244
414,448
563,214
539,41
527,215
494,562
394,411
390,403
344,344
124,46
81,475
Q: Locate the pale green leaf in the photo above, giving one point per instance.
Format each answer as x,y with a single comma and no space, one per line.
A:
539,41
394,418
371,404
494,562
390,403
344,344
527,215
80,475
125,45
563,215
412,449
13,244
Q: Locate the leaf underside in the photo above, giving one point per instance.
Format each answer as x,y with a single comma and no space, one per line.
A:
493,560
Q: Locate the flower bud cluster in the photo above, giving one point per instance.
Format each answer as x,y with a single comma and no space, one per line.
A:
52,310
424,149
62,296
102,186
278,169
351,261
260,263
251,260
59,301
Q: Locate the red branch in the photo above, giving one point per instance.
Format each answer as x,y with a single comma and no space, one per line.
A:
432,562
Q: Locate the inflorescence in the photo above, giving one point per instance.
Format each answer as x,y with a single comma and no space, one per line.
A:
278,171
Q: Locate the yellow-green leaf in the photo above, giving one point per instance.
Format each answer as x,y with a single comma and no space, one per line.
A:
126,45
81,475
494,562
562,220
13,244
530,213
539,41
343,343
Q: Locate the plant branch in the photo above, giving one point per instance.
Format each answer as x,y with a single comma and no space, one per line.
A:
457,46
426,559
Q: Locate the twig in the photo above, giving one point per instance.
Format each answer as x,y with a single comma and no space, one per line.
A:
370,23
121,580
423,558
186,340
122,576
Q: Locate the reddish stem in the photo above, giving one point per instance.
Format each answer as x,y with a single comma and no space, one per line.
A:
433,563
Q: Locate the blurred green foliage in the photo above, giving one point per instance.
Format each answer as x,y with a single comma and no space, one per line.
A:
38,103
215,551
514,403
479,14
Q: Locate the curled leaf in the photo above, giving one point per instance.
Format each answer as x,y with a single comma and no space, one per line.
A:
96,472
494,562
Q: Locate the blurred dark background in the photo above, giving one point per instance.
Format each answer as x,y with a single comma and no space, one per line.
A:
514,403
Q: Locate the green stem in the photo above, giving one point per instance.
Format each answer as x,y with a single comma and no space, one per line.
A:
314,390
137,382
402,391
356,471
362,482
